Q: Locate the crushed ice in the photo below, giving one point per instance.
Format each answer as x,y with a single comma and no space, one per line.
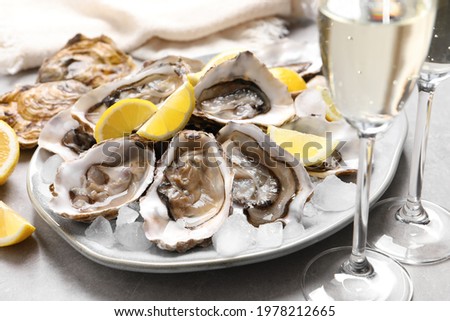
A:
100,231
334,195
128,232
50,167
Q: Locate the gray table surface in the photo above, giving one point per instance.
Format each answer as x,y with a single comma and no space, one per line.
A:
44,267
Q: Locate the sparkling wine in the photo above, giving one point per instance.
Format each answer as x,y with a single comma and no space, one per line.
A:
438,59
372,59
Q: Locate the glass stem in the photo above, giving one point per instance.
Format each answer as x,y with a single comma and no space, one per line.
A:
413,211
358,263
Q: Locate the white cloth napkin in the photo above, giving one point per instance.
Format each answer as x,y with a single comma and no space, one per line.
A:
32,30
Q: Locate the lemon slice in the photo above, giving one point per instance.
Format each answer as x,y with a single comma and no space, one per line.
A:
9,151
13,227
123,117
309,149
172,116
290,78
332,113
214,61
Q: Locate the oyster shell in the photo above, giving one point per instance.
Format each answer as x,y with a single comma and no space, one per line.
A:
244,91
64,136
155,83
191,195
106,177
269,183
92,61
28,108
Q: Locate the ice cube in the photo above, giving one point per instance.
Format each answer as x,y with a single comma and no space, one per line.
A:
293,229
126,215
132,236
269,235
49,169
100,231
334,195
235,236
309,210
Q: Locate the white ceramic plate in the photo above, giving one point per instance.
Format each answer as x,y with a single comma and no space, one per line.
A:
387,154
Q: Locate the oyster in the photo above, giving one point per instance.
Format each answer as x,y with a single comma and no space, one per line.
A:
106,177
244,91
155,83
28,108
64,136
311,118
191,195
269,183
92,61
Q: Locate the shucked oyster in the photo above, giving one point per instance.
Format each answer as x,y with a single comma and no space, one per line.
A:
106,177
28,108
269,183
244,91
64,136
91,61
190,197
155,82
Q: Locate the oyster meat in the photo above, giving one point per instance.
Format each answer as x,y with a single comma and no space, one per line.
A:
28,108
92,61
244,91
155,82
269,183
191,195
104,178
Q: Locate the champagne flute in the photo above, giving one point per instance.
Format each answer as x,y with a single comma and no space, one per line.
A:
372,51
412,230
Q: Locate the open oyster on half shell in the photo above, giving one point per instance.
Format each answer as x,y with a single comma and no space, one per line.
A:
155,82
104,178
92,61
65,137
243,90
190,197
28,108
269,183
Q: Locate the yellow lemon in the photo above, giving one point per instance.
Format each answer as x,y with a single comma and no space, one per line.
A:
123,117
309,149
214,61
13,227
9,151
172,115
332,113
290,78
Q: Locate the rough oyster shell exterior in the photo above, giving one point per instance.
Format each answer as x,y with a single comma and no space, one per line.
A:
92,61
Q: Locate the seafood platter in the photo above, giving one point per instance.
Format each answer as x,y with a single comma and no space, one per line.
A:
226,160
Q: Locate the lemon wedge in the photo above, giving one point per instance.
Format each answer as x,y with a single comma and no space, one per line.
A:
9,151
171,116
13,227
309,149
123,117
332,113
290,78
214,61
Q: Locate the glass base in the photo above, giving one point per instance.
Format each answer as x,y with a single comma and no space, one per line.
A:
408,242
324,279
